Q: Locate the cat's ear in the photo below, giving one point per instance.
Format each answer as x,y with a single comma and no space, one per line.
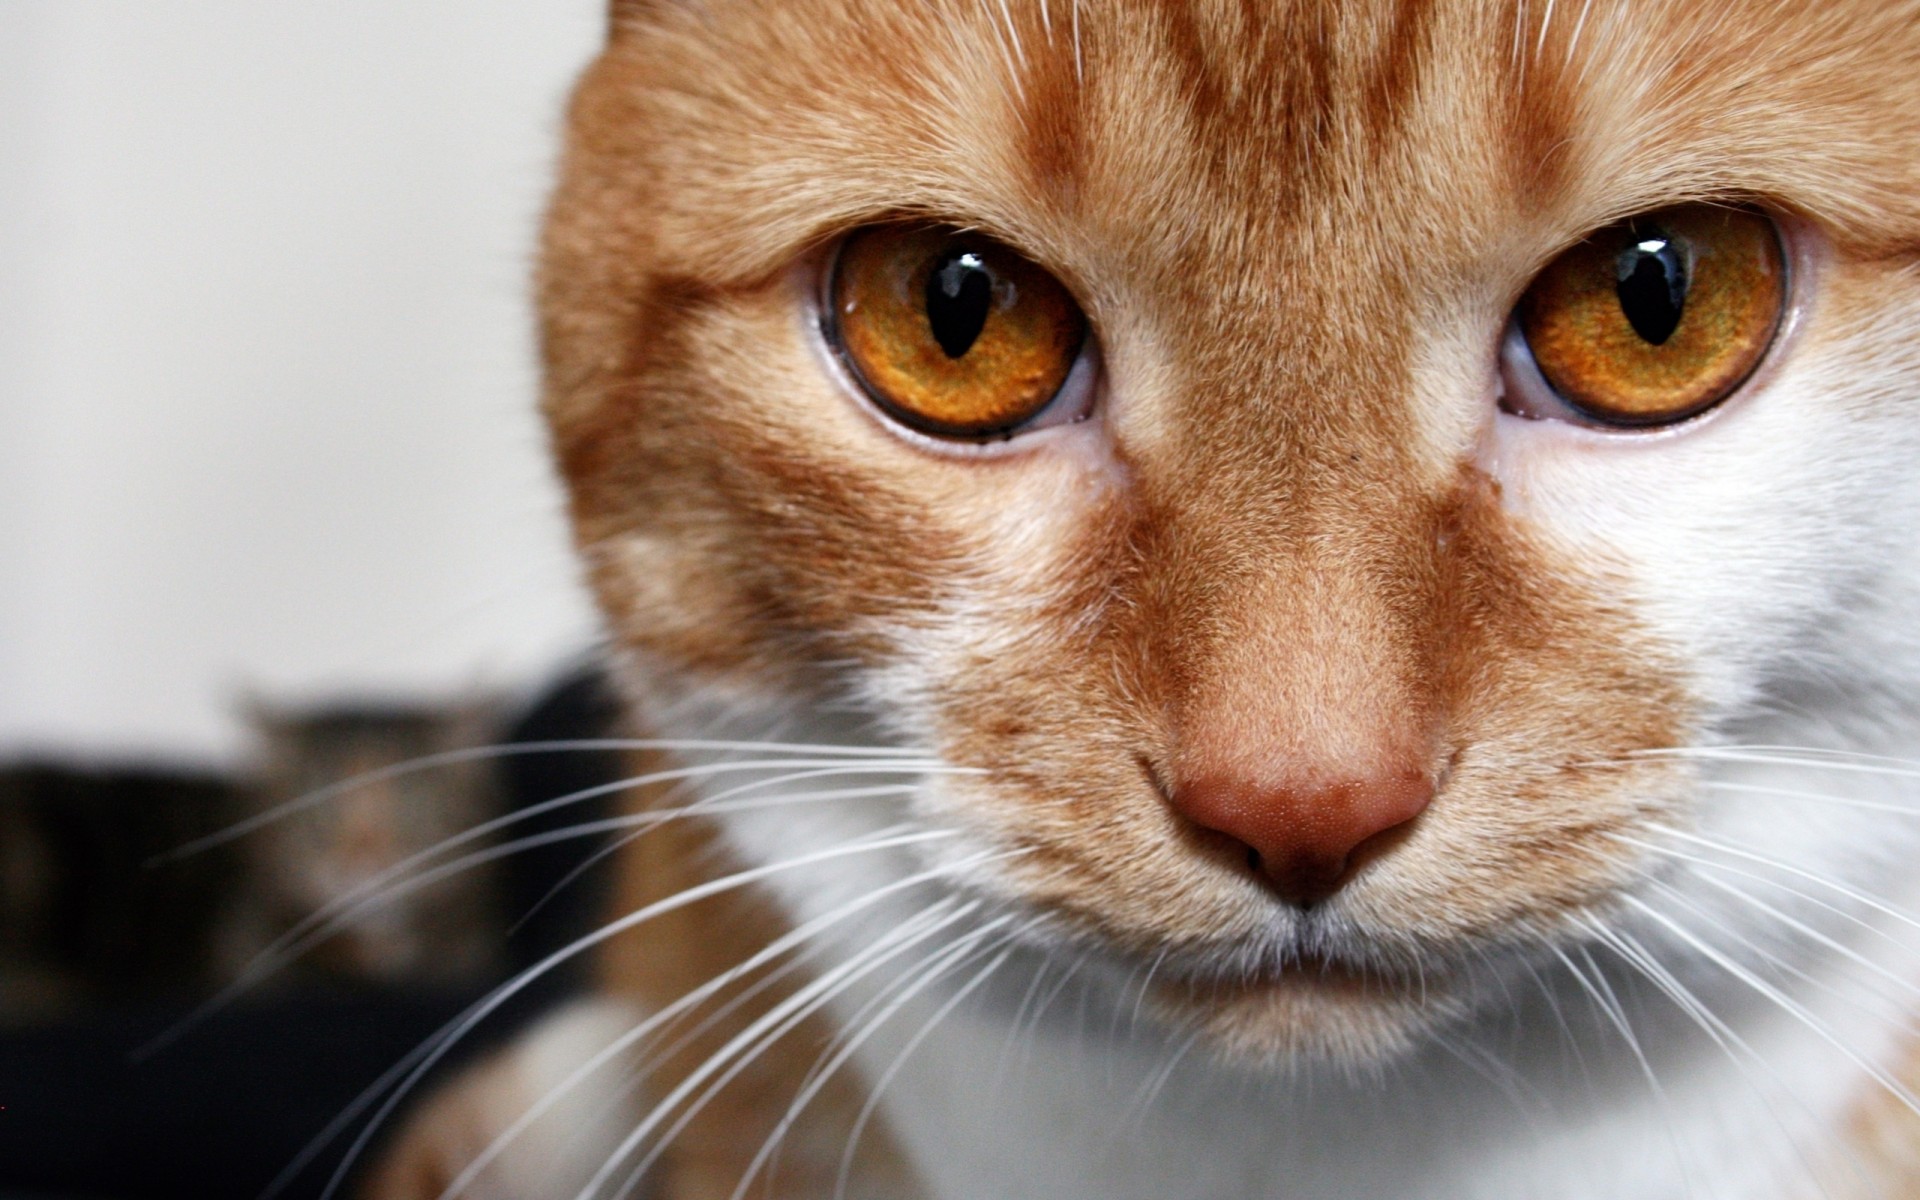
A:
478,720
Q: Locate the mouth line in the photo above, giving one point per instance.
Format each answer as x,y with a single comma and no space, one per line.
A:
1293,957
1294,965
1327,971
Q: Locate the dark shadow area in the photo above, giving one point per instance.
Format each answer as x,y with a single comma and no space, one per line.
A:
100,954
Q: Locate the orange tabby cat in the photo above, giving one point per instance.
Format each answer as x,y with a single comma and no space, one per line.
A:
1266,598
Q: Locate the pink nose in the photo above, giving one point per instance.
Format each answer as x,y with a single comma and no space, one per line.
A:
1307,841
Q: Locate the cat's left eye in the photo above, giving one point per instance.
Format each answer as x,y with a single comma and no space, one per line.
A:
954,334
1650,321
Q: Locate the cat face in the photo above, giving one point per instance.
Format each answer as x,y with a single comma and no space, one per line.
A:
1307,641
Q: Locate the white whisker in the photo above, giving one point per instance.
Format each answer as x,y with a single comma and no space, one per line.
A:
1729,1042
1637,956
929,973
872,1104
1722,785
1779,965
386,887
1806,930
1615,1016
1146,983
1786,1003
1027,998
664,1018
709,806
1079,63
1579,27
1786,756
1008,41
1722,847
1144,1096
1013,33
451,758
741,1050
356,902
450,1034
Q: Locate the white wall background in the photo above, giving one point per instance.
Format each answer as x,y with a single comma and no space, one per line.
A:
265,359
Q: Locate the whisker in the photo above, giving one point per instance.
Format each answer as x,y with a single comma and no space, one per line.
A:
1790,756
1144,1097
437,1046
325,921
1024,1031
1853,918
580,868
1579,26
1552,1000
386,887
1809,931
1780,965
1482,1061
1641,958
1723,785
1609,1008
642,1071
665,1017
1146,983
449,758
743,1048
1013,33
1027,998
1723,847
872,1103
1786,1003
798,771
1636,955
948,959
1079,63
846,1026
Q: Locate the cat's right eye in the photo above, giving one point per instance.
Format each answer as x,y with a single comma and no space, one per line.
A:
1649,321
951,333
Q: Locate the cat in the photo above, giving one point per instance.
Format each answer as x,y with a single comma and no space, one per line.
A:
1324,589
320,857
116,883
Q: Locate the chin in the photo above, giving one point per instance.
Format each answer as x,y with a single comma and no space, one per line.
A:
1313,1014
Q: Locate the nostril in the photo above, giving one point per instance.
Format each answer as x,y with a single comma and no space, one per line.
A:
1306,841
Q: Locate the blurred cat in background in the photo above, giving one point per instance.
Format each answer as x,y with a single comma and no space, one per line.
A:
97,907
322,854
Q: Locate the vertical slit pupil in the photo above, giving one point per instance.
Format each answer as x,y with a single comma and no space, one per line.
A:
959,295
1651,281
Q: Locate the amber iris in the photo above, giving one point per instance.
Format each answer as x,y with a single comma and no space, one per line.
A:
952,333
1660,317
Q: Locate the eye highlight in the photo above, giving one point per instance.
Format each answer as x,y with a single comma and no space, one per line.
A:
1657,318
951,333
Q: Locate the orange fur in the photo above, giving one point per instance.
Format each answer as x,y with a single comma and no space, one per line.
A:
660,962
1285,558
